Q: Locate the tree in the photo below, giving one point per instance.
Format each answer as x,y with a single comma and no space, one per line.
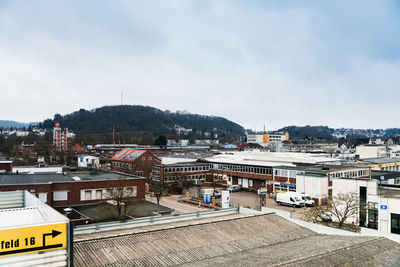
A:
121,195
340,208
158,189
161,141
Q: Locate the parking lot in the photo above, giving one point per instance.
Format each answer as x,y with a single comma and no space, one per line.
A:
252,201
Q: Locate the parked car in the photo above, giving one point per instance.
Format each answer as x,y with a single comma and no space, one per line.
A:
308,201
234,188
327,217
289,200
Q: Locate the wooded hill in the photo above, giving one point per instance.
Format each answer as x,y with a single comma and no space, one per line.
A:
134,119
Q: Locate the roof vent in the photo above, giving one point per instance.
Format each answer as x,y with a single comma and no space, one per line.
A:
76,178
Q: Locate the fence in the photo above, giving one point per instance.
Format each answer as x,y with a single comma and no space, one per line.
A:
145,221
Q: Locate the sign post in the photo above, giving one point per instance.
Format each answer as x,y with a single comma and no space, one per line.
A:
33,239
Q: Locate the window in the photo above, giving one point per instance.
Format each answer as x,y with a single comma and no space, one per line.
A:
99,194
60,195
43,197
250,183
150,158
143,158
88,194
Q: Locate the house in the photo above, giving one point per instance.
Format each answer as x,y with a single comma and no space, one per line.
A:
134,161
85,161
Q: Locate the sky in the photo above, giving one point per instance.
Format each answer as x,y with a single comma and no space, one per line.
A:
272,63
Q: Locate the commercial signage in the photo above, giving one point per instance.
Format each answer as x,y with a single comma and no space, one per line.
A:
33,239
262,190
384,207
225,199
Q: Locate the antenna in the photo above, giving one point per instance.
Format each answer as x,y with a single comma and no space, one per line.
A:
122,98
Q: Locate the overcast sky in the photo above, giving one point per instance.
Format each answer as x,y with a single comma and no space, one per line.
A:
277,63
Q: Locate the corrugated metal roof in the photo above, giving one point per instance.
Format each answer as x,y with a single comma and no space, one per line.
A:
260,240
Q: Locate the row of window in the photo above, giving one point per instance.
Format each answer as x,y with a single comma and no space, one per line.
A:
95,194
187,169
350,174
187,177
244,169
287,173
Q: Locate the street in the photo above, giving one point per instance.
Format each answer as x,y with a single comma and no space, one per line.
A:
172,202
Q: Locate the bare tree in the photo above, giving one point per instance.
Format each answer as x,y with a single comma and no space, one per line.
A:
340,208
158,189
121,195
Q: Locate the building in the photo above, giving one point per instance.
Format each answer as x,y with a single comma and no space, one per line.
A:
383,164
134,161
85,161
267,138
377,151
62,189
32,233
316,180
253,169
6,166
60,138
181,173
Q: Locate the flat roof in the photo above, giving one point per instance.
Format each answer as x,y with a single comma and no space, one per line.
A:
381,160
44,178
272,159
184,164
324,167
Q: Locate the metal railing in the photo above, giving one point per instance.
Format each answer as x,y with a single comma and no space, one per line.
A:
138,222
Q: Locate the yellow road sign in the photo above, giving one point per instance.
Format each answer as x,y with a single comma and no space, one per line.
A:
33,239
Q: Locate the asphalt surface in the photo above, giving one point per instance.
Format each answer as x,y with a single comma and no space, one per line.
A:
172,202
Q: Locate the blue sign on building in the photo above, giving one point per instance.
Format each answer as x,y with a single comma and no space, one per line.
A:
383,207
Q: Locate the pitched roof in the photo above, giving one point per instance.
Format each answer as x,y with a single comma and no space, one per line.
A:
128,154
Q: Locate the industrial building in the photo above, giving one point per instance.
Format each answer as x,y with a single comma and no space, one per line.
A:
68,189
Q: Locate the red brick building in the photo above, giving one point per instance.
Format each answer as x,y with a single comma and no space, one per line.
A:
134,161
72,189
5,166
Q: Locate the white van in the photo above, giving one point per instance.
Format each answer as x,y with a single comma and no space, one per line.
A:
308,201
289,199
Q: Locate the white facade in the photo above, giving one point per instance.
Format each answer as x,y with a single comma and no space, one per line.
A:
314,186
372,151
374,198
86,160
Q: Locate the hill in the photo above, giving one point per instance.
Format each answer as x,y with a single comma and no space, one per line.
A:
133,119
323,132
15,124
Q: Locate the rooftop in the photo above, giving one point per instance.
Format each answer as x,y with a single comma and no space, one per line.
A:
381,160
44,178
264,240
272,159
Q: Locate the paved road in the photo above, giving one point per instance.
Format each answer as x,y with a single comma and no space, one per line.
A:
172,202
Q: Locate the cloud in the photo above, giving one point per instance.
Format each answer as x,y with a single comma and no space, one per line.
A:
275,63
